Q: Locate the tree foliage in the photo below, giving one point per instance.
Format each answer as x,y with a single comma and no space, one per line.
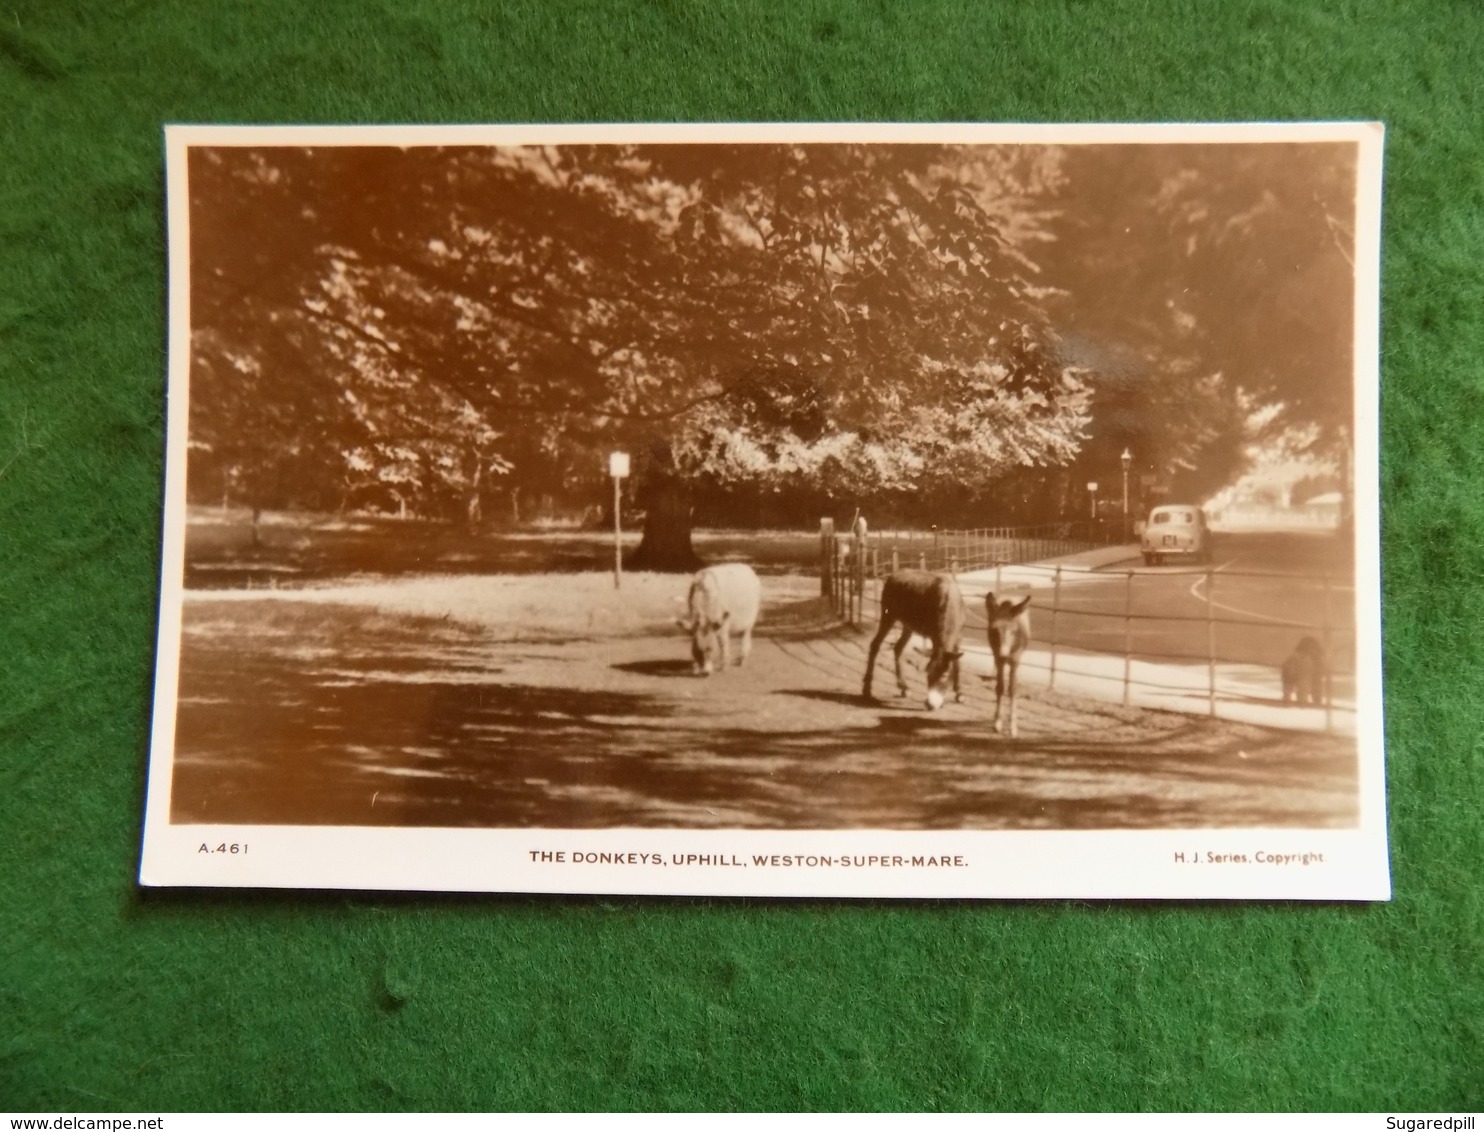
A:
405,327
790,313
1210,287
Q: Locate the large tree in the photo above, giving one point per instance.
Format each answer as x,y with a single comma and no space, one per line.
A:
1210,288
861,315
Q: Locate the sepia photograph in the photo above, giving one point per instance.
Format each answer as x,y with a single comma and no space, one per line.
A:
770,510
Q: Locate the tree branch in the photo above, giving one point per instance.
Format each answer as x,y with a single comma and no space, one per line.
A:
1335,228
570,408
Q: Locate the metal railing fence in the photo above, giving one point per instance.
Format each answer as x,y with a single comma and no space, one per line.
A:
853,566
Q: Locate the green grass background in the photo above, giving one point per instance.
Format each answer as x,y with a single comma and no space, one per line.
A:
111,999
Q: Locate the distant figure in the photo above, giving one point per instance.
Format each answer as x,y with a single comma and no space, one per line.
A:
1009,634
723,600
1306,674
858,528
931,606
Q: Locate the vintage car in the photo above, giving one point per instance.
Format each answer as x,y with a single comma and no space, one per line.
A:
1176,530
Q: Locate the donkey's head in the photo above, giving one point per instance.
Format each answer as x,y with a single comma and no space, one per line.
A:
1009,624
707,647
939,668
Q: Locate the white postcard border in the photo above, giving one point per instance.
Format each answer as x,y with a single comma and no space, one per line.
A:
1200,864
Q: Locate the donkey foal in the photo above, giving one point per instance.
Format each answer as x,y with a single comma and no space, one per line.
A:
1009,633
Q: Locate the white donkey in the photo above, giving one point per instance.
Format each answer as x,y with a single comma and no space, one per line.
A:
723,600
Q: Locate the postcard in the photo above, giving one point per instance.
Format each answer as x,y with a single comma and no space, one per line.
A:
963,511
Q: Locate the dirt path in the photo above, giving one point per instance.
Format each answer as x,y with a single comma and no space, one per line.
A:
327,712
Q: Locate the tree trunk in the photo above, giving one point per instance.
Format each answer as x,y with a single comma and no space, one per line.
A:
473,506
666,546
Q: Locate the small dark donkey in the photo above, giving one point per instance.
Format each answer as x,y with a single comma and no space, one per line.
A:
1306,674
1009,634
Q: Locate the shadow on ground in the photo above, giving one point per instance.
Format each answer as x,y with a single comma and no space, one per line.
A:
844,699
665,668
332,715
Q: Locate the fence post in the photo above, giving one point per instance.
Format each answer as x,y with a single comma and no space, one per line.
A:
1128,640
858,583
842,577
1055,607
851,568
835,575
896,560
922,560
858,576
826,558
1211,638
997,585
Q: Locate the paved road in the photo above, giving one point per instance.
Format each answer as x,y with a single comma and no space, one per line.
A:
1261,593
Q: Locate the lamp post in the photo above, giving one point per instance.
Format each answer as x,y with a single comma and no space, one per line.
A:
1127,458
618,467
1092,498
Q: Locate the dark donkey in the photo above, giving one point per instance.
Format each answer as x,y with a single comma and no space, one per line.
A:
930,606
1009,633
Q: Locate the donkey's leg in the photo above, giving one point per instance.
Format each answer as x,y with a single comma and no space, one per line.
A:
901,647
999,689
1014,671
958,696
886,624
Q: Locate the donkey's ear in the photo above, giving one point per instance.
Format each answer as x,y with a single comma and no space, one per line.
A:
1022,603
989,600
